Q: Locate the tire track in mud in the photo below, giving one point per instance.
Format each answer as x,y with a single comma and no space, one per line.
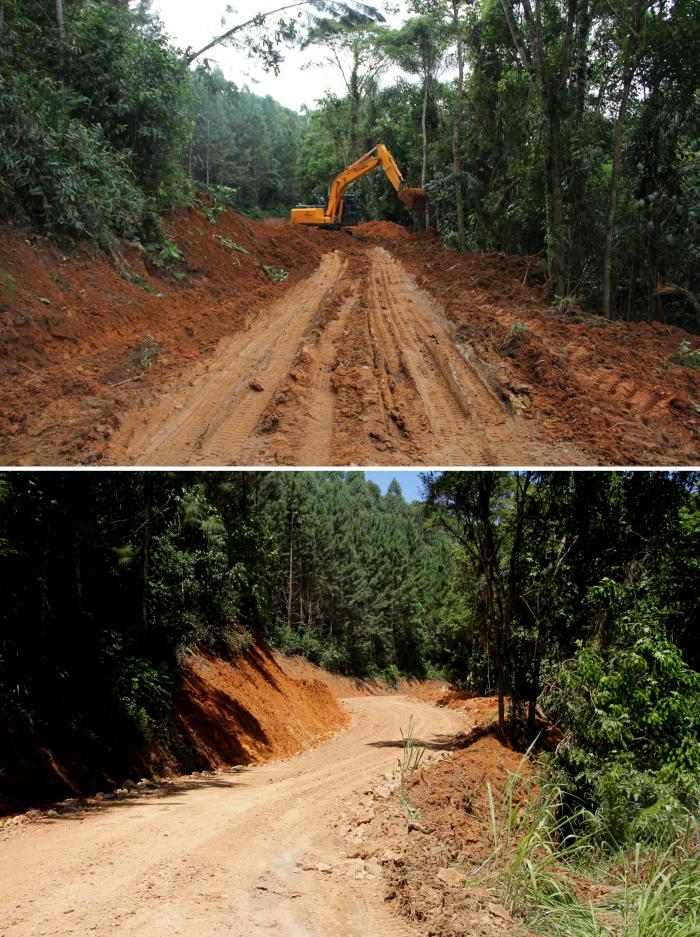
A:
208,421
426,357
307,439
357,365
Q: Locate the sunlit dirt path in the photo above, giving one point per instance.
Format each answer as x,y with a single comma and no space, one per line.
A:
255,851
355,365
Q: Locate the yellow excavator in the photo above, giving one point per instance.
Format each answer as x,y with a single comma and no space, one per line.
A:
340,209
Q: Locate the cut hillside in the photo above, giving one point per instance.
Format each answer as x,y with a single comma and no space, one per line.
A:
251,711
345,687
224,713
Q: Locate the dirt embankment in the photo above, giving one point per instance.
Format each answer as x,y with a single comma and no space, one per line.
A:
80,343
343,687
253,710
430,845
224,713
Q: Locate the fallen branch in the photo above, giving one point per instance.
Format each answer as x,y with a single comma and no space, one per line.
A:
128,380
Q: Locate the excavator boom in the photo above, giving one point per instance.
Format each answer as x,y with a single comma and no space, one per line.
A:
334,214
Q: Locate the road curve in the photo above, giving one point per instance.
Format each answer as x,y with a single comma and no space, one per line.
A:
221,856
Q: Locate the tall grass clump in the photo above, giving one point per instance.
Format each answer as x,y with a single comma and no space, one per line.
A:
411,758
560,877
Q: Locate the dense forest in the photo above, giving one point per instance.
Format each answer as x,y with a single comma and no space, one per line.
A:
568,594
568,130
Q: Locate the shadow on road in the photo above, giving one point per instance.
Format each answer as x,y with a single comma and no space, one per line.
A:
444,742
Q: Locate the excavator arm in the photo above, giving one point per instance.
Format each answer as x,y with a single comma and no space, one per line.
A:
332,215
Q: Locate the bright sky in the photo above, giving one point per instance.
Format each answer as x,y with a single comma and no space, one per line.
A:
194,24
411,487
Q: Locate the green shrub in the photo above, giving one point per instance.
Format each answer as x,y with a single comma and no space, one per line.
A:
60,173
632,746
144,693
140,101
684,356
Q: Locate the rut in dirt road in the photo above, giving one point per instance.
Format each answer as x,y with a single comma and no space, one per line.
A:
356,365
208,419
255,851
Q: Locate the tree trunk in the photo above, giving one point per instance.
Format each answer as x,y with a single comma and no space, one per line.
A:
628,74
457,128
2,15
208,145
61,37
147,537
555,220
355,103
583,28
290,575
424,130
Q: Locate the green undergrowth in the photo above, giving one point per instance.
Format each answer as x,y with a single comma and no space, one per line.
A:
561,879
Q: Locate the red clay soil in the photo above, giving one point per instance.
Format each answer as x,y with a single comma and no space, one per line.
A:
383,231
252,710
611,385
429,864
79,343
342,687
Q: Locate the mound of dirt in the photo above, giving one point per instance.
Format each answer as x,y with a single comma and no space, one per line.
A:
429,851
612,386
384,231
84,336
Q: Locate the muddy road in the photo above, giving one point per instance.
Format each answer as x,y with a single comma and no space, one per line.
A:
380,349
354,365
250,851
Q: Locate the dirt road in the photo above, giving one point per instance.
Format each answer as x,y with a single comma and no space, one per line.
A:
355,365
252,851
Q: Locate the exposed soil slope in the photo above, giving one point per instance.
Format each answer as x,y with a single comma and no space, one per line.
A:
611,388
252,710
224,713
342,687
79,343
384,348
430,862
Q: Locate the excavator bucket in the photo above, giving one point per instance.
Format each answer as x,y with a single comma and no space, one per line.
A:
415,200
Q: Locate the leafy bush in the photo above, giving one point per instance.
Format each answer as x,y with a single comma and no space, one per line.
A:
275,273
686,357
59,172
140,101
632,748
144,692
